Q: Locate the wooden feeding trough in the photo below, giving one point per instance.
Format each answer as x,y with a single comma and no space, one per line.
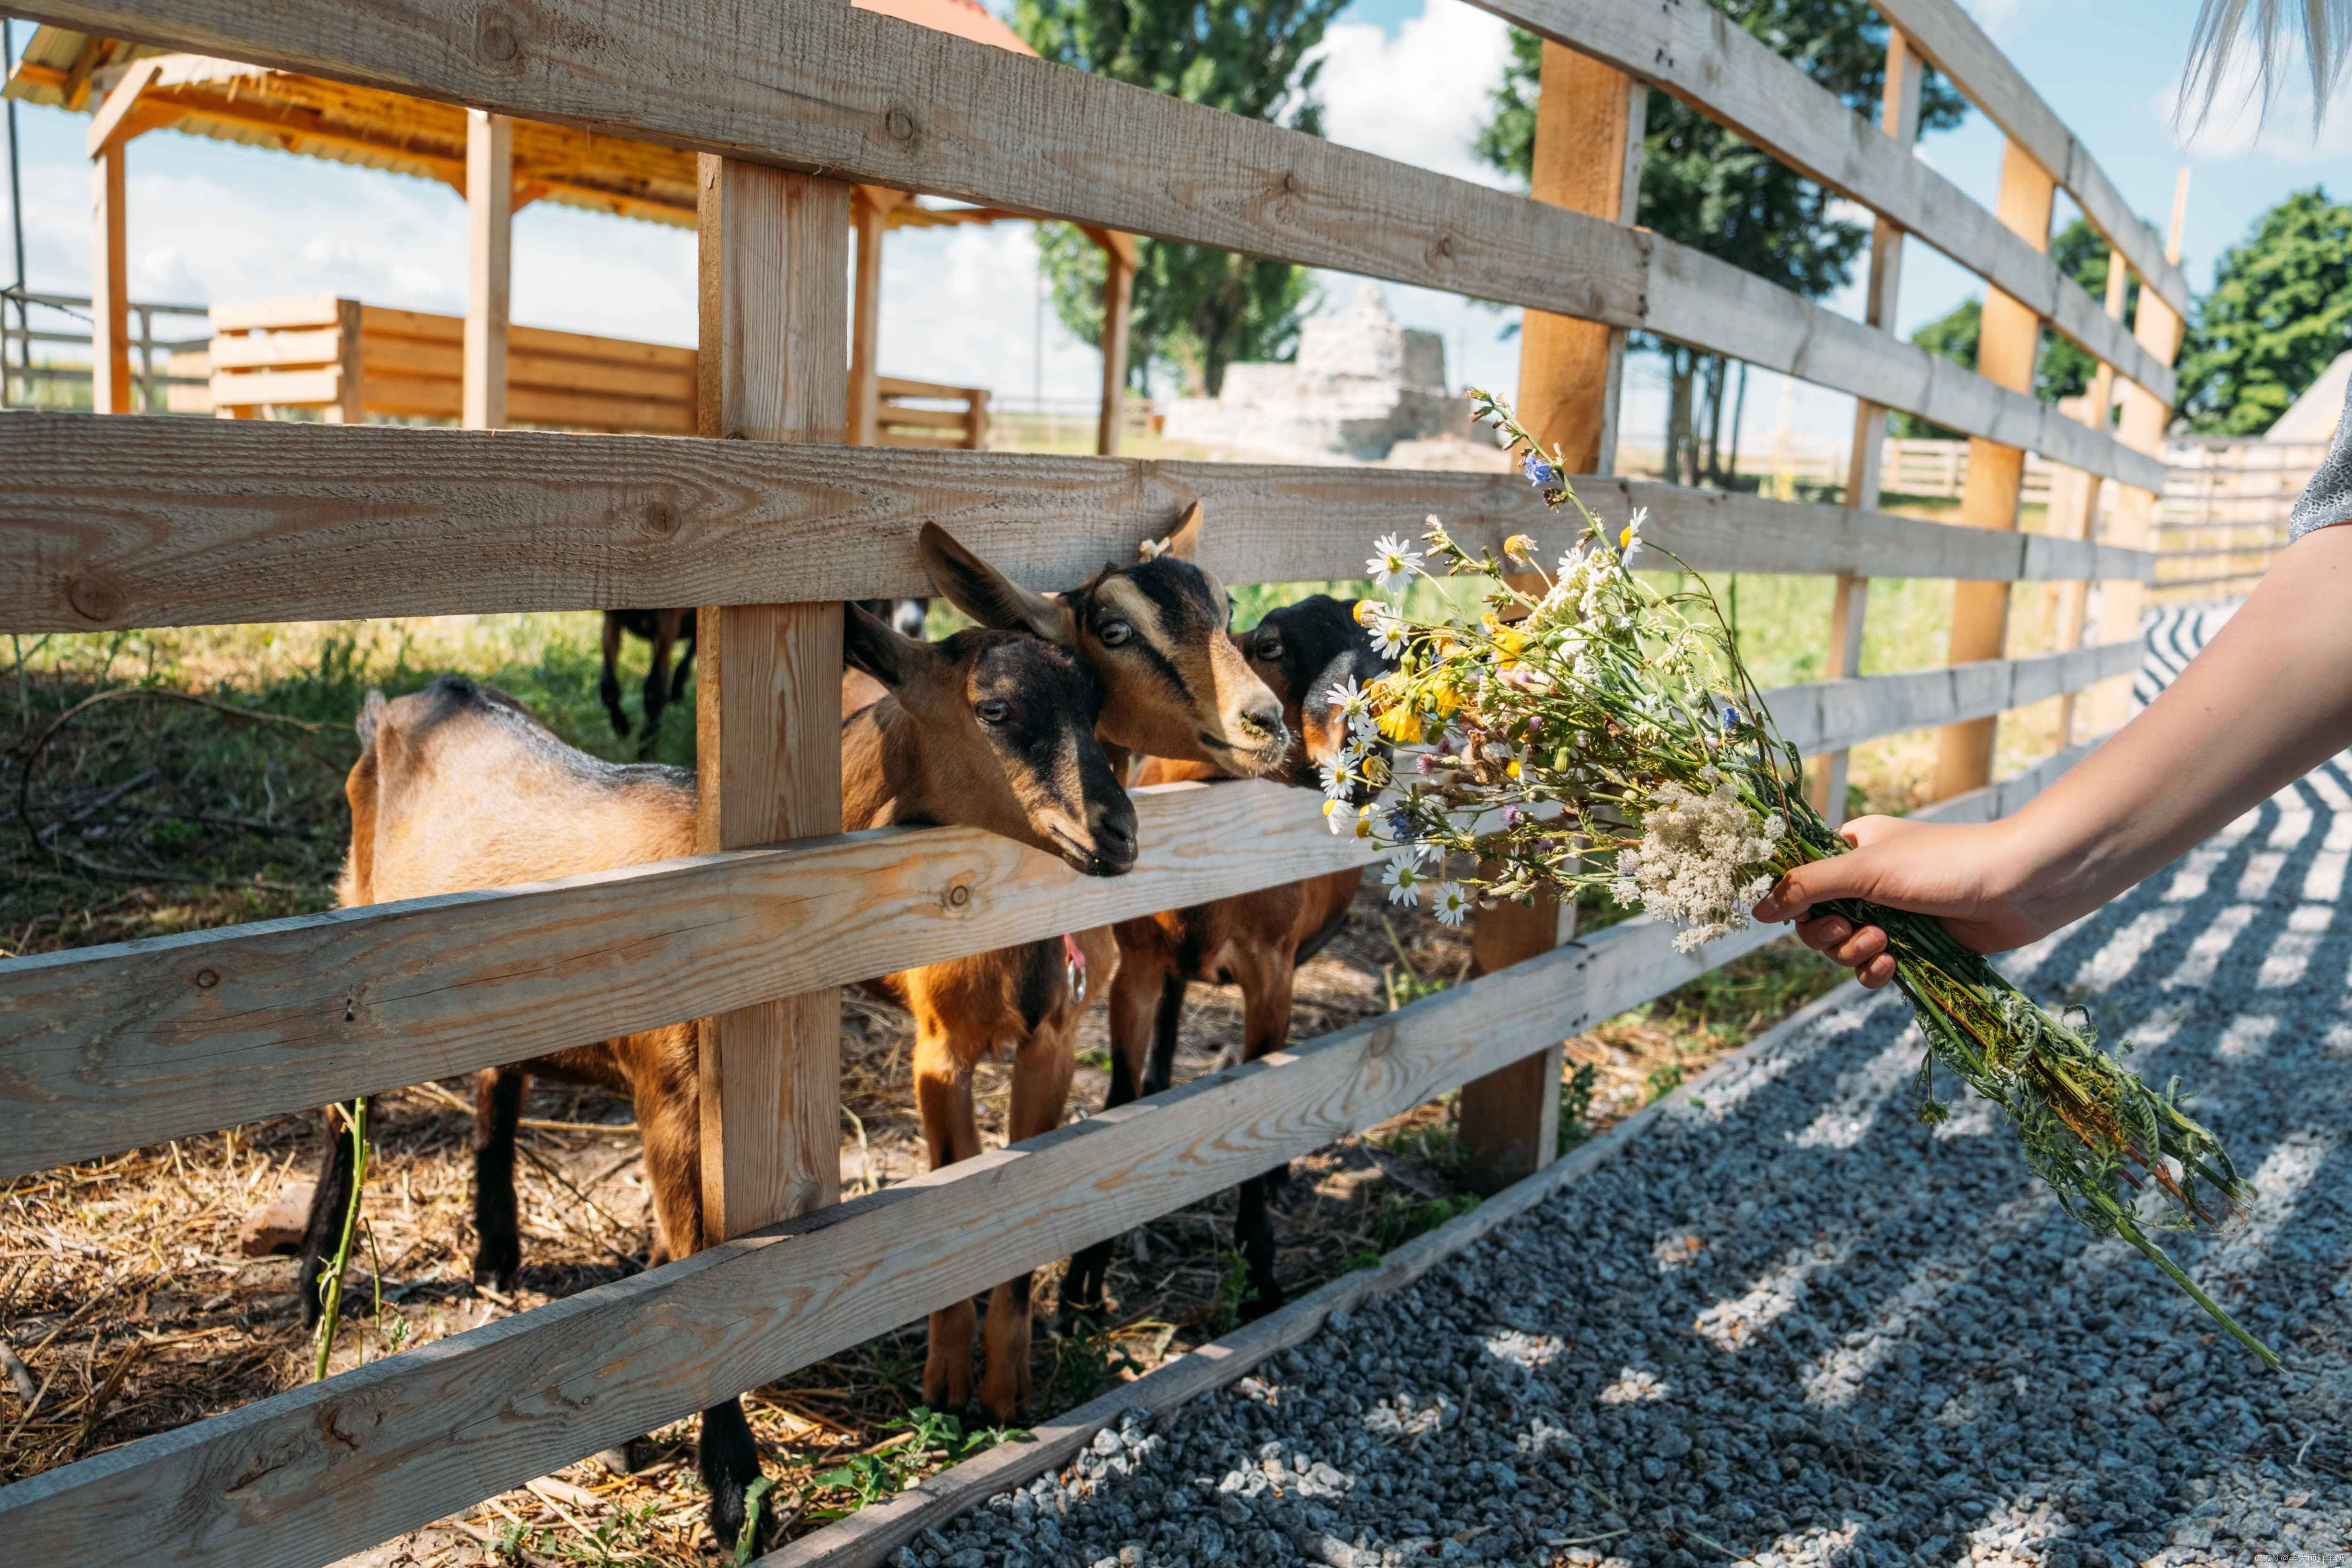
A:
500,164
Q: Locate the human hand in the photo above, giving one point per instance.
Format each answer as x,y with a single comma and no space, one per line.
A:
1958,872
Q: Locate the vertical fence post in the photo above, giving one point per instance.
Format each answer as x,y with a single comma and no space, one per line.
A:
774,315
1118,293
489,225
2155,327
1898,116
110,306
1588,156
2007,345
2075,497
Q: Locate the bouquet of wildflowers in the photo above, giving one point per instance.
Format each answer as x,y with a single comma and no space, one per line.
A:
1589,731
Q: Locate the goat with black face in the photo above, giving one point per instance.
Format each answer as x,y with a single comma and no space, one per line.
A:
1303,652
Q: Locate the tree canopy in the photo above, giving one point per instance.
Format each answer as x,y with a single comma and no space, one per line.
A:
1195,310
1708,188
2279,312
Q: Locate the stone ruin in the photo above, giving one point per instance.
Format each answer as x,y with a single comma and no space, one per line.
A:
1361,384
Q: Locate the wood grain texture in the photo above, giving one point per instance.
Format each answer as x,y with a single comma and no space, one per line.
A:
831,88
103,1048
1690,49
417,1435
143,522
772,249
1955,45
1825,715
1119,299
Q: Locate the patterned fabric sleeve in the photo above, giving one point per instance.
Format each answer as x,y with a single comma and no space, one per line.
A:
2329,498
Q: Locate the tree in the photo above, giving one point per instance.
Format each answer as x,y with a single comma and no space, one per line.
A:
2061,368
2279,313
1195,310
1710,189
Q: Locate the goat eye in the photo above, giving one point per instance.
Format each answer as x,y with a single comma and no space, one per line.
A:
1113,632
1270,650
993,712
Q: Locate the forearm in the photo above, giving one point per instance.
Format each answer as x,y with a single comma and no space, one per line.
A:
2268,700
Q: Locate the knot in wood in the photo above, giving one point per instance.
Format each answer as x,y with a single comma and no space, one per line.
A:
207,978
899,123
959,896
495,37
94,598
1290,182
1445,246
660,521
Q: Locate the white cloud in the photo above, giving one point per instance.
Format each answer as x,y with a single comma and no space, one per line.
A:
2238,127
1421,96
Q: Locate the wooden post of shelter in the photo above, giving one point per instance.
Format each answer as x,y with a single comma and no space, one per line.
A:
1898,116
1587,157
870,212
2007,345
2074,494
489,227
109,289
775,308
2157,327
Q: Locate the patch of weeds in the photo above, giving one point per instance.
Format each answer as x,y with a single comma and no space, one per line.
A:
621,1539
927,1440
1097,1059
1661,1083
1401,1218
513,1540
1234,1289
1084,1359
1576,1107
1437,1144
747,1539
1404,982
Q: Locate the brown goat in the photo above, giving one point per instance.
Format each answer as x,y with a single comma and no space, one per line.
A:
1254,940
458,787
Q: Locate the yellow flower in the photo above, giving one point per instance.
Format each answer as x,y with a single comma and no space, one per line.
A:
1520,545
1402,725
1508,643
1624,536
1514,769
1367,611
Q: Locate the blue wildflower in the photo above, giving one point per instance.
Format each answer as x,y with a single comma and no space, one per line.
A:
1732,718
1541,474
1400,824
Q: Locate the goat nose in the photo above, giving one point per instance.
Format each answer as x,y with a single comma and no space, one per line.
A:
1115,838
1265,721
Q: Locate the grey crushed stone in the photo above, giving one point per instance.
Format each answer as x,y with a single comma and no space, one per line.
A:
1793,1326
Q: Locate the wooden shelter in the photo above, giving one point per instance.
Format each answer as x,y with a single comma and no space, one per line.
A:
499,163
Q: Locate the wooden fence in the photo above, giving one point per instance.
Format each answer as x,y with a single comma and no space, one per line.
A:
2225,513
112,521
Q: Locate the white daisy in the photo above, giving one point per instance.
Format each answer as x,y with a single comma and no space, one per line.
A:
1335,815
1337,781
1413,852
1393,565
1631,538
1402,881
1388,638
1348,698
1452,903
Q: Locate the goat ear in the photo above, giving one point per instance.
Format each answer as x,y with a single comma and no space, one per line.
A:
1184,540
870,644
988,595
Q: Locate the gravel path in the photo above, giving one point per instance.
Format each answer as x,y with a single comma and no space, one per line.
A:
1790,1325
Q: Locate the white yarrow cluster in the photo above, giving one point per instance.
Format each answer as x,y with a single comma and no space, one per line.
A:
1702,860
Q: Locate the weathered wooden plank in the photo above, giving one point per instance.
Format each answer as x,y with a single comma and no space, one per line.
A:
772,250
143,522
107,1048
1694,52
1955,45
854,95
1825,715
109,285
489,246
418,1434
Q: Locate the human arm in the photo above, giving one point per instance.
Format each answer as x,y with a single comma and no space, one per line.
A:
2268,700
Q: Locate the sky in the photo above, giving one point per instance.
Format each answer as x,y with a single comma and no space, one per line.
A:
1406,79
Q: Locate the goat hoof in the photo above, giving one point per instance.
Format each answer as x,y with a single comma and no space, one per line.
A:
1005,1398
500,1272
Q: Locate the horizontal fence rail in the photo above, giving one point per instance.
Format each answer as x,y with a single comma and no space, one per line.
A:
305,1476
1731,76
1955,45
119,523
109,1047
853,95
